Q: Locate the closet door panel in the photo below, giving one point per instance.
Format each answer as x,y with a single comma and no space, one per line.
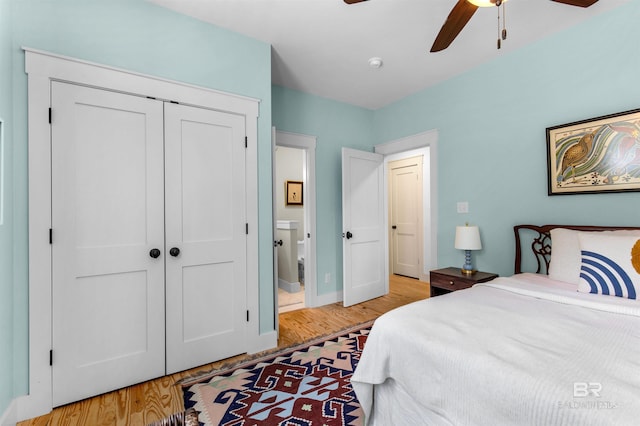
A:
107,214
206,295
207,194
205,220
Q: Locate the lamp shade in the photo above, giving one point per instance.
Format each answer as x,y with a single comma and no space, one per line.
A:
468,238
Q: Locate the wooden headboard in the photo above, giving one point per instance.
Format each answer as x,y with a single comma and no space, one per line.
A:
541,243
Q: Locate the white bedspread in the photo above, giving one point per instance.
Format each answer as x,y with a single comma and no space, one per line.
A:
522,350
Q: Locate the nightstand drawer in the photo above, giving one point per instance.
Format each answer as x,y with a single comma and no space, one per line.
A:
446,280
450,283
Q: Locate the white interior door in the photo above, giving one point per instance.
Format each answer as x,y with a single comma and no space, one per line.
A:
406,213
205,236
107,216
363,222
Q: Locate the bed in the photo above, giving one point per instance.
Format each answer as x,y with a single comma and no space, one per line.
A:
531,349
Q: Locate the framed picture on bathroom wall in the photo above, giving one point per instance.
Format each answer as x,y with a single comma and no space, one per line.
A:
293,190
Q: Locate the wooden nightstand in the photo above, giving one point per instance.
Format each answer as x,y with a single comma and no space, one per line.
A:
446,280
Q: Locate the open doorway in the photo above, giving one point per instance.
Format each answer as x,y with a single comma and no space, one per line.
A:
424,146
290,227
294,221
402,154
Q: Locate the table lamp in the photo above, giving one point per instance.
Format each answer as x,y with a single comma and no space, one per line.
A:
467,239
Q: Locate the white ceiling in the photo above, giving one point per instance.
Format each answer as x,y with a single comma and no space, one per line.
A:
322,47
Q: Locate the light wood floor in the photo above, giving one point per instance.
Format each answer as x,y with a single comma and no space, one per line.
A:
150,401
290,301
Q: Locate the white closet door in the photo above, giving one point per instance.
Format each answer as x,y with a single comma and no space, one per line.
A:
206,222
107,215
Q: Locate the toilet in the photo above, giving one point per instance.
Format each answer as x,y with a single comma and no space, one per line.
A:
301,261
301,250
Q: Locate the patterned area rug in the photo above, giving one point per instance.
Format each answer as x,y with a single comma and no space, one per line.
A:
304,385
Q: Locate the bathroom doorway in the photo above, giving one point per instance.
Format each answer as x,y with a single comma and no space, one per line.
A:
294,217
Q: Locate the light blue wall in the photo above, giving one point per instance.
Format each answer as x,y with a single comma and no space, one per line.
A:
141,37
6,215
335,125
492,142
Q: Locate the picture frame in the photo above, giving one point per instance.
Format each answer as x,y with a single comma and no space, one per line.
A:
294,193
597,155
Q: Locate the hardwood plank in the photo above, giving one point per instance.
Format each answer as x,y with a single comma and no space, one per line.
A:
150,401
160,398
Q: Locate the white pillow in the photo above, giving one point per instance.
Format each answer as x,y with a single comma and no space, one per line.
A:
565,256
565,252
610,265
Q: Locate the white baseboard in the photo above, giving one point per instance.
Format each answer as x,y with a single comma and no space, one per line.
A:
265,341
327,299
10,415
288,287
35,404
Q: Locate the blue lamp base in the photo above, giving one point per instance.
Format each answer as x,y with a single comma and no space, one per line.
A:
467,268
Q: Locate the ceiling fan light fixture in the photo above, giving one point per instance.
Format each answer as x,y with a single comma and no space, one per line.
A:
486,3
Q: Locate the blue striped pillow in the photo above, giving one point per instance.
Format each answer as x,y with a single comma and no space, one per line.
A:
610,265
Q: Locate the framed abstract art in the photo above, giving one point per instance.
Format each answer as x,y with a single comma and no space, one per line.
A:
601,154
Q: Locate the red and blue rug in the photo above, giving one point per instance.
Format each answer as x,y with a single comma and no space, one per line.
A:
305,385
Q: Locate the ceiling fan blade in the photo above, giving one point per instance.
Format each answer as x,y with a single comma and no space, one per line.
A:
457,19
580,3
353,1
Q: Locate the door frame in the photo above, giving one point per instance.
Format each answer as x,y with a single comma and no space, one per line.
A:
411,146
308,144
42,68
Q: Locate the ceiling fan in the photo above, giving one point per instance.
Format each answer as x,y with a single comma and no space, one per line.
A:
462,13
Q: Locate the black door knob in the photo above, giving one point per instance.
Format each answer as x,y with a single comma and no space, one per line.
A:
175,251
349,235
155,253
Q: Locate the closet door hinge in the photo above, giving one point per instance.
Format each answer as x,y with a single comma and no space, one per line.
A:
247,315
51,357
246,142
246,228
49,115
50,236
